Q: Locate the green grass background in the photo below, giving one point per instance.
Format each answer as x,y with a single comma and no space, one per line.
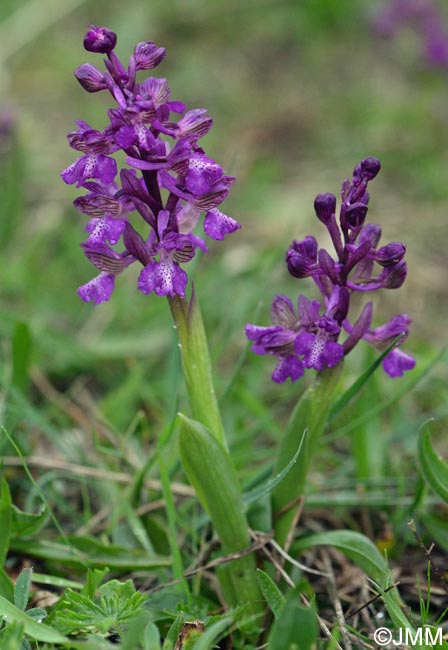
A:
299,92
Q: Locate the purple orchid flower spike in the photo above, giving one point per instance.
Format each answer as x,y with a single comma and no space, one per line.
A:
311,336
170,183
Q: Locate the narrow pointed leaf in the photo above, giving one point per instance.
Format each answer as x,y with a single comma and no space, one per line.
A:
355,546
262,490
87,551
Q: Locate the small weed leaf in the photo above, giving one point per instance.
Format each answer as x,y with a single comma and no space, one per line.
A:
26,523
151,637
433,468
22,589
272,594
112,608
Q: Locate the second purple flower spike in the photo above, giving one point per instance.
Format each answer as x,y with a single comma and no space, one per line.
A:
318,334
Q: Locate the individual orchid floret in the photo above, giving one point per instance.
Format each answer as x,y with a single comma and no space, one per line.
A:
301,257
322,333
147,55
90,78
279,339
169,184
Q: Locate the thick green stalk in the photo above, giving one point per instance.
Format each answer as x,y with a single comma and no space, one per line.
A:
206,460
310,416
196,364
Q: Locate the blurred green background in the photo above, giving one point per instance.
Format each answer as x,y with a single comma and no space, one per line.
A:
299,92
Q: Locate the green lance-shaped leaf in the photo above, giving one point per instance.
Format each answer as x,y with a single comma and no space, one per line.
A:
355,546
209,469
434,469
310,415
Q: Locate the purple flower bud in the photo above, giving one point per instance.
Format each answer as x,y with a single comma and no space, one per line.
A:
301,257
372,233
325,206
370,167
100,39
147,55
90,78
391,254
392,277
355,215
136,245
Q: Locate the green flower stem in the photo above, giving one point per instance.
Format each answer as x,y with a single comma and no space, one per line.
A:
206,460
310,415
196,364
